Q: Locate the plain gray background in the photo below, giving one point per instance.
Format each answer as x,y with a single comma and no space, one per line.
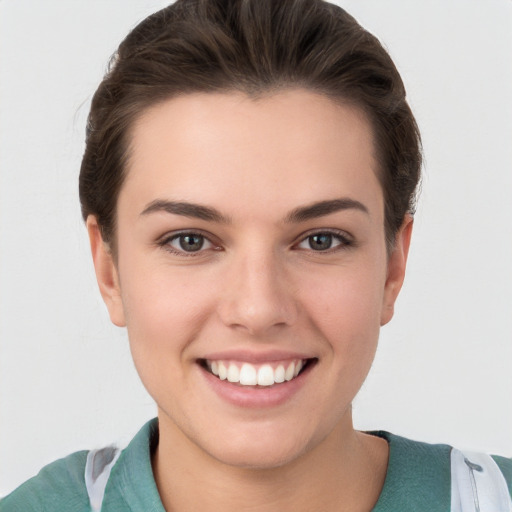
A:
443,370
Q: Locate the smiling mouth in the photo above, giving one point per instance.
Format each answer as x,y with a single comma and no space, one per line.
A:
247,374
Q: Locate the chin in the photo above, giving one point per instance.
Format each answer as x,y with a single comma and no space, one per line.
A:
257,458
263,451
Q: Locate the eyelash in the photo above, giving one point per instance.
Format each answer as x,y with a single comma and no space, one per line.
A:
165,243
344,240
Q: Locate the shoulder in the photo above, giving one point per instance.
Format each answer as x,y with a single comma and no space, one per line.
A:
420,475
505,466
66,484
58,486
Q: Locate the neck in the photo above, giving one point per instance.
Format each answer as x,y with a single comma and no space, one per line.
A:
345,471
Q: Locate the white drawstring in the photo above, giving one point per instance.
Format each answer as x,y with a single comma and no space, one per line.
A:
478,484
97,471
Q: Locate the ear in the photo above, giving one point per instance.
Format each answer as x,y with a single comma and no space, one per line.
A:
397,262
106,273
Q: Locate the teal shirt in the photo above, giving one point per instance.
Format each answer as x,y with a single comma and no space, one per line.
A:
417,479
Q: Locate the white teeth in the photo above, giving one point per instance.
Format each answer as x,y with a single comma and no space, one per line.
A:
279,374
251,375
223,372
248,375
265,375
290,371
233,373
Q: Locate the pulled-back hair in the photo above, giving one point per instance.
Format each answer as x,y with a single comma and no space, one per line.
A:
256,47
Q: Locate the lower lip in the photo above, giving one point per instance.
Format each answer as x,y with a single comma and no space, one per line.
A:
257,396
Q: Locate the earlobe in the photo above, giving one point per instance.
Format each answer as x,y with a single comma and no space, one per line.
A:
106,273
396,269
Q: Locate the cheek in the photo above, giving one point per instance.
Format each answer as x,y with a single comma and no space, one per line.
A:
164,310
156,294
347,310
163,318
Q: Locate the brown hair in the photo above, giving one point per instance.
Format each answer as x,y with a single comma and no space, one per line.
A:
255,47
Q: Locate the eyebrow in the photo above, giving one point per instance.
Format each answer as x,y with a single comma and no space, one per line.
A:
300,214
322,208
186,209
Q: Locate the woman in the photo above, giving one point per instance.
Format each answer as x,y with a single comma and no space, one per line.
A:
248,187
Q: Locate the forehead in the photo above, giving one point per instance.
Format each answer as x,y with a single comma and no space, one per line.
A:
290,147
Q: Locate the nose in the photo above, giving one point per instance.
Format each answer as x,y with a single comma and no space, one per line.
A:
258,295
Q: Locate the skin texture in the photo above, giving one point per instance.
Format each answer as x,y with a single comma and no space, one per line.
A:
257,286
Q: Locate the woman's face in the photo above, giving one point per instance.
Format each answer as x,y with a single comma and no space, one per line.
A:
251,243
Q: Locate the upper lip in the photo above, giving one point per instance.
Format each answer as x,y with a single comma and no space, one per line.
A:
255,357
